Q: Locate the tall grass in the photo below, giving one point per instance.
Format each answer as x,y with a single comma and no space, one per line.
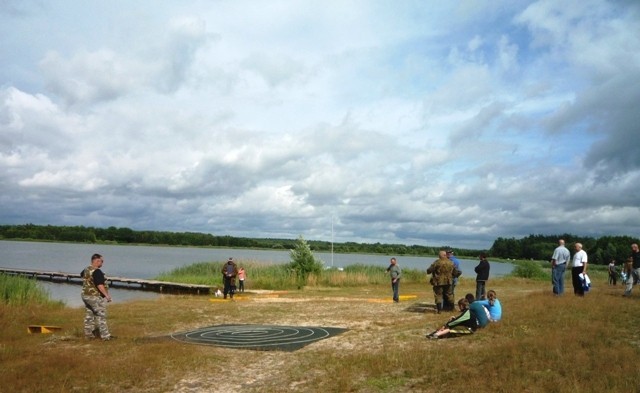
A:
18,290
278,277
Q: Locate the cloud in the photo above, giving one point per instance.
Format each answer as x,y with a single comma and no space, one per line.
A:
407,123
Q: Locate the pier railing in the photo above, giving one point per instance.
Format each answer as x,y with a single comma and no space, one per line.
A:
122,282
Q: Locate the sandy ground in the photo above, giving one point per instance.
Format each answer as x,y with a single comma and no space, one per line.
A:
368,320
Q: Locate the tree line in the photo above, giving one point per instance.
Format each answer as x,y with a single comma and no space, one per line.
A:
536,247
600,251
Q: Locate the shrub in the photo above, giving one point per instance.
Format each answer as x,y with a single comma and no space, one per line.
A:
528,269
303,262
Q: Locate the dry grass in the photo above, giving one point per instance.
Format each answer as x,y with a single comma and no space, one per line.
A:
544,344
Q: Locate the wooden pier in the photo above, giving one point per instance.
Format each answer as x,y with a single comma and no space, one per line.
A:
116,282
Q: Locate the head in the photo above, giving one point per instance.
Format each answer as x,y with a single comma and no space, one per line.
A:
230,260
483,256
393,261
634,247
491,296
470,298
463,304
442,254
561,242
449,252
578,246
96,260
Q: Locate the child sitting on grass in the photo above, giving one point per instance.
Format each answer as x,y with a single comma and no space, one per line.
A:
493,305
465,323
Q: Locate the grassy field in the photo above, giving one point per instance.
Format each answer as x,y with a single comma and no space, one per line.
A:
543,344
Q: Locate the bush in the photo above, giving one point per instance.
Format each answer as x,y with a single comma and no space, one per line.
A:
532,270
303,262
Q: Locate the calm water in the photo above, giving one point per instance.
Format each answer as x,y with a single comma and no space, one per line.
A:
149,261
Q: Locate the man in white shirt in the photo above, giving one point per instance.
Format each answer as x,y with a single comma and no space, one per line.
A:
579,267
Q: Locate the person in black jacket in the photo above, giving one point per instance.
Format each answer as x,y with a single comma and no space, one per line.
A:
482,275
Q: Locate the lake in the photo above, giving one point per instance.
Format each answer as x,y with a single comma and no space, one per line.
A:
149,261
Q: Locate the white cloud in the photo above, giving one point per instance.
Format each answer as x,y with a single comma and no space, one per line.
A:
405,123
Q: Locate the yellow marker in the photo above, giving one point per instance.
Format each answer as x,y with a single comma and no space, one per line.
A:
43,329
221,300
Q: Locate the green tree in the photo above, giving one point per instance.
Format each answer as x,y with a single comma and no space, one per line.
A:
303,262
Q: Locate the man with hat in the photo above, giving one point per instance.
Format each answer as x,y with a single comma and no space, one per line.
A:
229,273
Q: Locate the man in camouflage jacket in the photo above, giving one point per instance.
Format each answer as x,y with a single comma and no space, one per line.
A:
95,295
442,272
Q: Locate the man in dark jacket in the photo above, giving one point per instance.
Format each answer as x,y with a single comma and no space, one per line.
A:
482,275
229,273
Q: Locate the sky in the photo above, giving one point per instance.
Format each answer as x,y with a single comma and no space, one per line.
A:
407,122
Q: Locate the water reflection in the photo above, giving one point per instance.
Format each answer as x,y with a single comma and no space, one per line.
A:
70,293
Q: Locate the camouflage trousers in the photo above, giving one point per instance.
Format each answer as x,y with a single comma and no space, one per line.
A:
95,317
443,296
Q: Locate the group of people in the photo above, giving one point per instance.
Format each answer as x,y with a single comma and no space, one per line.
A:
579,277
474,314
444,277
559,261
475,311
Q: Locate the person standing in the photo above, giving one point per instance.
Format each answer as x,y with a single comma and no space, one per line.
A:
627,271
579,267
395,272
634,274
456,263
635,255
559,261
241,276
442,272
229,274
95,296
613,273
482,275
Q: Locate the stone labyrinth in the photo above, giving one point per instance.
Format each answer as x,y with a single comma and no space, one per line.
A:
258,337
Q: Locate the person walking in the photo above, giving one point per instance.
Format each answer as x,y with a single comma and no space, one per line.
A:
579,267
229,274
242,275
395,272
559,259
95,296
482,276
442,272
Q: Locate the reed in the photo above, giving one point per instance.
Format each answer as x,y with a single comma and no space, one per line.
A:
18,290
280,277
